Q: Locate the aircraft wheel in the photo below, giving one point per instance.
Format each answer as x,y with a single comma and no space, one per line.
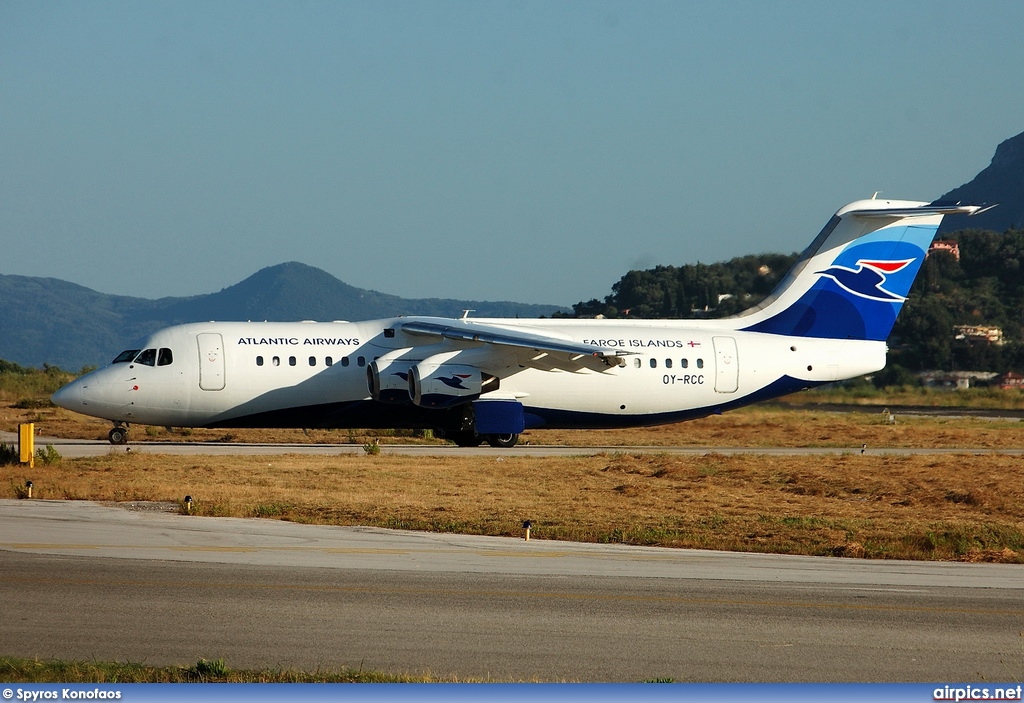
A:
504,441
118,435
465,439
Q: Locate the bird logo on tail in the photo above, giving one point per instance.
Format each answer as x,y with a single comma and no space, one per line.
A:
868,279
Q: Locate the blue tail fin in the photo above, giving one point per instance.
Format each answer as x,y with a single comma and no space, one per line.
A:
852,280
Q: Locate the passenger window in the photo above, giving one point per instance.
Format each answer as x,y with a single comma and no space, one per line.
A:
637,363
685,363
654,363
125,356
312,361
668,363
329,361
148,357
259,361
165,358
291,361
700,363
344,361
276,361
361,361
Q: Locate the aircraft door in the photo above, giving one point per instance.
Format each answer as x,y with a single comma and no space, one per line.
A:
727,368
211,361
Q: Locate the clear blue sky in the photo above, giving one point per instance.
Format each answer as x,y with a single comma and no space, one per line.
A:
527,151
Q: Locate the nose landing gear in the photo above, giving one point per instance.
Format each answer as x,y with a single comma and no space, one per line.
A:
118,435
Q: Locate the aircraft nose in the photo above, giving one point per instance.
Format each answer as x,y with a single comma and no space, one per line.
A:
69,396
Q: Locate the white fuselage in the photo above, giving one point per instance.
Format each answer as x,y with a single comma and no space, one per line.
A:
315,374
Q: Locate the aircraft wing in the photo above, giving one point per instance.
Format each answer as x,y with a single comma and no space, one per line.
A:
482,333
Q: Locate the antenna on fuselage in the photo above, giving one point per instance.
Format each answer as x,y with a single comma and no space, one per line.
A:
465,314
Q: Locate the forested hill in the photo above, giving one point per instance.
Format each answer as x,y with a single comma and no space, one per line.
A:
985,287
692,290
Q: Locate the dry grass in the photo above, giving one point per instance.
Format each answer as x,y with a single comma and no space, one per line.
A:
961,507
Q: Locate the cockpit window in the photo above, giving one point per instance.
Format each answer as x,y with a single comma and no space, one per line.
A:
164,358
147,357
125,356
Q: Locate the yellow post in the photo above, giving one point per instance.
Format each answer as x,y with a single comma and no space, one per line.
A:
27,443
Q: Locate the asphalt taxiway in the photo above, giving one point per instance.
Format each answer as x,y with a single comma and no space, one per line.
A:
88,581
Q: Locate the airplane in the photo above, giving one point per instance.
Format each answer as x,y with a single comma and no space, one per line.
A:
478,379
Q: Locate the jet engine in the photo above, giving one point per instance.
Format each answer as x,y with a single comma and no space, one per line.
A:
438,385
388,381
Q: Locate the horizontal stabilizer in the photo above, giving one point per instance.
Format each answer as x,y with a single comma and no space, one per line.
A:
920,211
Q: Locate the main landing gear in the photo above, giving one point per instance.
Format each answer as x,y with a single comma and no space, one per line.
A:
469,438
502,441
118,435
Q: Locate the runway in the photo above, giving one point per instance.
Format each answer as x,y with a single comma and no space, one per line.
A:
81,580
76,448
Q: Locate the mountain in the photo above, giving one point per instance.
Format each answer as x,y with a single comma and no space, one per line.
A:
46,320
1001,182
